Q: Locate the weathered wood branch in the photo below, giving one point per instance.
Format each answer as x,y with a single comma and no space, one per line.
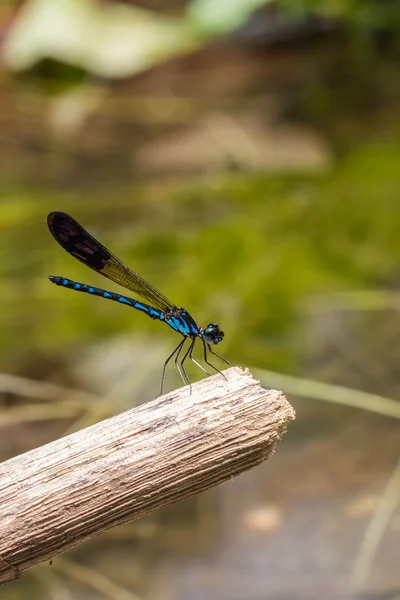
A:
61,494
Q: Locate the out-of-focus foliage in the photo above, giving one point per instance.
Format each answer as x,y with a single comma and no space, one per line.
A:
107,39
369,13
245,252
114,39
222,16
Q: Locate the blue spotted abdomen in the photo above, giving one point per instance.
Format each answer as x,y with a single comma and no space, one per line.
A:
177,318
95,291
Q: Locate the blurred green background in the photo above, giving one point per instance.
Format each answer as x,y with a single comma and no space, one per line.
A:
244,157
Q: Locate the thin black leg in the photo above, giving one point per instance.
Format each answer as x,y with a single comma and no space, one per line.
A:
208,363
185,381
179,347
195,361
215,354
183,360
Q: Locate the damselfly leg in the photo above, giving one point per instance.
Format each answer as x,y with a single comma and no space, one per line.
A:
195,361
177,349
184,379
215,354
208,363
183,360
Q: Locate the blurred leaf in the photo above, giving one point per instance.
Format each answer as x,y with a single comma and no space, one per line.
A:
216,17
110,40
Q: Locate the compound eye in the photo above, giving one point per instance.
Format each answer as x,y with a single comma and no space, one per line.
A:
212,334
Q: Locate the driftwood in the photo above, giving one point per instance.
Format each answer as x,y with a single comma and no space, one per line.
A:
61,494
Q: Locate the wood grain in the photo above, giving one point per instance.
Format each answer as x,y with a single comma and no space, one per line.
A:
61,494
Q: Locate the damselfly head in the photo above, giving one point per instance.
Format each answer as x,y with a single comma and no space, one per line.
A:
212,334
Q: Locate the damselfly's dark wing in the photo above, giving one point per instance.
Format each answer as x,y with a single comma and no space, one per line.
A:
83,246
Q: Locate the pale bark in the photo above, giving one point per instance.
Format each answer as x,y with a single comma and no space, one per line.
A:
61,494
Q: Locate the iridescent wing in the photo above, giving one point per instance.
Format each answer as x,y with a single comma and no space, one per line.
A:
85,248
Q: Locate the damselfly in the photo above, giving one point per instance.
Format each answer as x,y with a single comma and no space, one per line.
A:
85,248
